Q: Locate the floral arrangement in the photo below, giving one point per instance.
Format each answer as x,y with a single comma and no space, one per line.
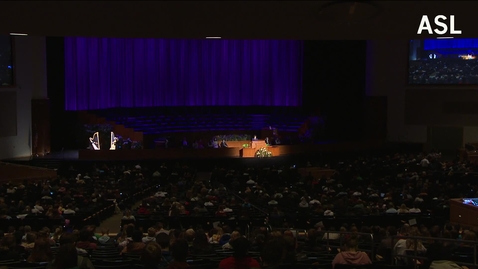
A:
233,137
263,153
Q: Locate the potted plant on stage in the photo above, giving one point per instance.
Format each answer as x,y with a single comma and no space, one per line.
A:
263,153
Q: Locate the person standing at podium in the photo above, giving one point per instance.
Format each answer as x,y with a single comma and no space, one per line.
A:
255,142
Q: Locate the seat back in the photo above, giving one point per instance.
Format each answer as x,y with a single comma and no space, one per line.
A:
352,266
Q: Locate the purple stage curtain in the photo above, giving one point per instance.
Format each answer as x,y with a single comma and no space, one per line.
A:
115,72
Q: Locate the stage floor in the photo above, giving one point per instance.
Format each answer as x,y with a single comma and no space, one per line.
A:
209,153
228,153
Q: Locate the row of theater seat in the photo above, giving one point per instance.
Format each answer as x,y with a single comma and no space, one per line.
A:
157,123
154,126
257,219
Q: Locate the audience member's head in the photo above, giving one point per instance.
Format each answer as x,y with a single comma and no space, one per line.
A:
152,232
67,257
469,236
41,251
31,237
226,229
151,256
352,244
274,252
235,235
8,242
405,230
179,250
84,236
201,241
137,236
240,247
312,234
189,235
129,230
391,231
260,239
163,240
276,234
68,238
27,229
290,243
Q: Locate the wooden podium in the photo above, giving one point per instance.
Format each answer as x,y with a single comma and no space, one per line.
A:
258,144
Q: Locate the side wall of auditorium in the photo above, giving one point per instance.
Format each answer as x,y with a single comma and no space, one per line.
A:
30,83
443,117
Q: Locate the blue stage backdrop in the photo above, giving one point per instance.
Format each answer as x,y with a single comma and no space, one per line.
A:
113,72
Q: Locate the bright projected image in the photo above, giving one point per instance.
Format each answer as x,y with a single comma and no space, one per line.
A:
443,61
120,72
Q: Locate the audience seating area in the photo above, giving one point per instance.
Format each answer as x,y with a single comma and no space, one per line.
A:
91,198
190,119
392,210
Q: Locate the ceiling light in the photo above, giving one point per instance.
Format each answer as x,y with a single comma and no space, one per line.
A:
445,37
213,37
18,34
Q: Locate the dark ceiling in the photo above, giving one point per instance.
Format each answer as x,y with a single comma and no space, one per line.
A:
232,19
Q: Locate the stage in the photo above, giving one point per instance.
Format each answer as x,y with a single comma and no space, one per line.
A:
224,153
324,147
151,154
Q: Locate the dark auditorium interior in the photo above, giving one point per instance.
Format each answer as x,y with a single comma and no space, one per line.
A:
238,135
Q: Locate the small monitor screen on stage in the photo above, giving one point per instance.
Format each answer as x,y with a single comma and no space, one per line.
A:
443,61
470,201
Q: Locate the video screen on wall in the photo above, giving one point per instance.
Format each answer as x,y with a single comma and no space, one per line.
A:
6,61
443,61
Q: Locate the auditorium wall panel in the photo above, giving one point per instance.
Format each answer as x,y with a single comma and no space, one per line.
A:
470,134
41,128
30,72
449,138
375,126
8,121
451,107
387,73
